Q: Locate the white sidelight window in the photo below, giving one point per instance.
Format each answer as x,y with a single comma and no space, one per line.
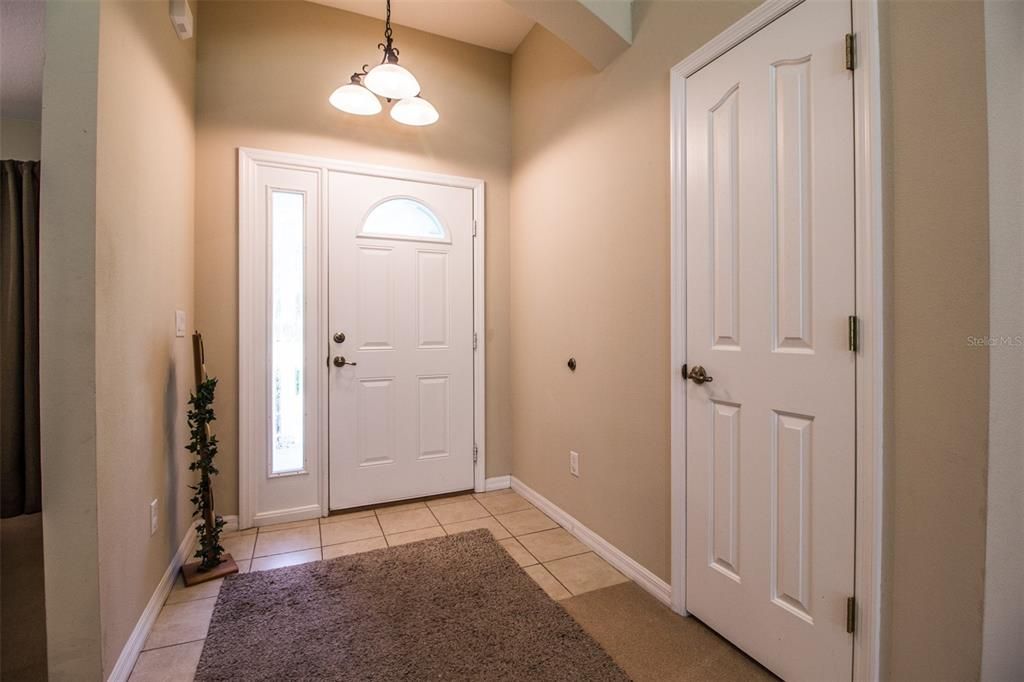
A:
287,373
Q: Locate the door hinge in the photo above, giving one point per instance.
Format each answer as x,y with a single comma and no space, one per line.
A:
476,453
474,340
474,228
851,614
853,332
851,51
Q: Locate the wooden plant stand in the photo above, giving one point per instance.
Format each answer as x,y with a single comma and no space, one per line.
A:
191,574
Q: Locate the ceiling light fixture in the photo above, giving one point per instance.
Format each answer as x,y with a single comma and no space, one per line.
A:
387,80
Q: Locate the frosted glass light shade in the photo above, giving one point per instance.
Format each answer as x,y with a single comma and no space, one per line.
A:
414,111
353,98
392,81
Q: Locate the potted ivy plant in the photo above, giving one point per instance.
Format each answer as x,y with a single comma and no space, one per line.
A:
212,562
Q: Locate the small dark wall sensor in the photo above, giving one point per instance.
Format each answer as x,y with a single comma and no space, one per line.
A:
571,364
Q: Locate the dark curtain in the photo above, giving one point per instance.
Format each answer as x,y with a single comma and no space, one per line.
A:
20,490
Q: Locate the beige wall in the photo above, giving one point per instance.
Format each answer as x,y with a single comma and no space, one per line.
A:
265,70
67,340
145,182
20,139
590,273
937,198
1004,562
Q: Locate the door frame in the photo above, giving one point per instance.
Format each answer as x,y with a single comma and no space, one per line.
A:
251,312
870,309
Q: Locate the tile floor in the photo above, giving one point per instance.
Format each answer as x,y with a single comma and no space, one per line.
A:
559,563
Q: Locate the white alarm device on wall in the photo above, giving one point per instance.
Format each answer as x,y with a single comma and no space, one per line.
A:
181,17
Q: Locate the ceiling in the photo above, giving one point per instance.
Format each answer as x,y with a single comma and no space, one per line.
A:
21,57
487,23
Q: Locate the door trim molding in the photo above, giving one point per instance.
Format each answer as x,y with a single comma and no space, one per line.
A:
251,416
870,308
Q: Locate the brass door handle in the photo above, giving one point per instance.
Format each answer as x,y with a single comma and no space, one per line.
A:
340,361
698,376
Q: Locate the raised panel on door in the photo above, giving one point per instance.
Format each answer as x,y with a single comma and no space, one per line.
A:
433,299
792,513
792,227
725,489
723,208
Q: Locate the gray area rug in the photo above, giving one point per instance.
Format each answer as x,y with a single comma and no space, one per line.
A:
452,608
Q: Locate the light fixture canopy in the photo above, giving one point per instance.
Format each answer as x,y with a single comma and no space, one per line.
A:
387,80
353,98
414,111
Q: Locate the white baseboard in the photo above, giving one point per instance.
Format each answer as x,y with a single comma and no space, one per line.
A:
230,523
310,511
626,565
133,647
497,483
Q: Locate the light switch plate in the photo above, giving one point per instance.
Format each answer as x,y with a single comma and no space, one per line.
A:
153,518
574,463
179,323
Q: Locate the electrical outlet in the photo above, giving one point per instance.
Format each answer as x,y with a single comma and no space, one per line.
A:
179,323
152,518
574,463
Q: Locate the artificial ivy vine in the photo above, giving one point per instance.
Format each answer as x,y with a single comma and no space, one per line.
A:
203,444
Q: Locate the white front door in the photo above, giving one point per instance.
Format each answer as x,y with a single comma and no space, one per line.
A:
400,297
770,285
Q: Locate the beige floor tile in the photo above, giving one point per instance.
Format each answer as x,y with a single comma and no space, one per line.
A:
526,521
347,516
441,501
405,506
239,546
410,519
350,530
170,664
505,504
283,541
346,548
549,545
267,563
415,535
180,593
489,522
289,525
584,573
518,552
236,533
459,511
547,582
180,623
244,566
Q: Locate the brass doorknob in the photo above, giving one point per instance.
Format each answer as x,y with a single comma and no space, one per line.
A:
340,361
698,376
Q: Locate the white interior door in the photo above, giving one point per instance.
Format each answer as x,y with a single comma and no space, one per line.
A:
400,282
770,286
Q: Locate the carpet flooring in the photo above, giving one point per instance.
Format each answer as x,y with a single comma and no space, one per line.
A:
452,608
651,643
